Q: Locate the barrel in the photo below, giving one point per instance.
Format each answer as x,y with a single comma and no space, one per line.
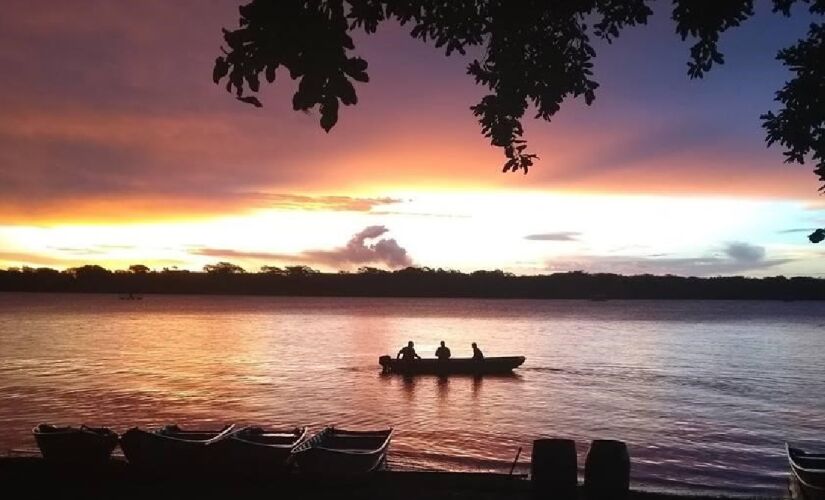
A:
554,469
607,470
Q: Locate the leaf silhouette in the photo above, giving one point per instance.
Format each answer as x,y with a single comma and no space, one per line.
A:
220,70
532,54
329,114
270,72
251,99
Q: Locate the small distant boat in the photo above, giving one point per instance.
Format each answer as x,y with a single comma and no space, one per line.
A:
257,451
807,474
170,447
131,296
337,452
75,444
502,364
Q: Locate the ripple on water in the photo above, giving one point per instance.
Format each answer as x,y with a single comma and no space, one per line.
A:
704,393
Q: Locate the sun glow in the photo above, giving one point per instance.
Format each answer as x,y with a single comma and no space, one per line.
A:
524,232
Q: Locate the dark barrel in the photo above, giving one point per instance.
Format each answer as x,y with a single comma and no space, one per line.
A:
554,469
607,470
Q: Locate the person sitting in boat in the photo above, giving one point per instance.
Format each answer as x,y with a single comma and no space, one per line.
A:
408,353
477,354
443,352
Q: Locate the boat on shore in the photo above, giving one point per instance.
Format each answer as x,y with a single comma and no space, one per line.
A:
75,444
807,474
171,448
468,366
257,451
343,453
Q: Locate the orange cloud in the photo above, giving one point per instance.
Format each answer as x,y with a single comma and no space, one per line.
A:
135,208
133,130
30,259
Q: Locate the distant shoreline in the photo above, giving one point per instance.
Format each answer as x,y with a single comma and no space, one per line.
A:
413,283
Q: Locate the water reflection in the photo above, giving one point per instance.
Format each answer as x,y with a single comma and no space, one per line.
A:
652,367
477,381
408,385
443,387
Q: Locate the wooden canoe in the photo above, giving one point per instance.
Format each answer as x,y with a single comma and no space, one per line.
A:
341,453
256,451
75,444
807,474
468,366
171,448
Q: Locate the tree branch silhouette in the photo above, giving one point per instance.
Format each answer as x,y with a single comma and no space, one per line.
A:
535,53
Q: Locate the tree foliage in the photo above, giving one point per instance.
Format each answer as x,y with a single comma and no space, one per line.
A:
223,268
89,271
419,282
535,53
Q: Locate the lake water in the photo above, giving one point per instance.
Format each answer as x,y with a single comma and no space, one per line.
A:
704,393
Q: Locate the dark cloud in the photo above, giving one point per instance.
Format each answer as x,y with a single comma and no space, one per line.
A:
557,236
359,250
744,252
795,230
738,258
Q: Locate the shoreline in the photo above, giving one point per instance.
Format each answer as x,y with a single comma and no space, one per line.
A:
141,296
412,282
116,479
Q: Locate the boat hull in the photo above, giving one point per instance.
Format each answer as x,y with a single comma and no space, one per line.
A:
338,453
257,452
162,450
467,366
77,445
807,474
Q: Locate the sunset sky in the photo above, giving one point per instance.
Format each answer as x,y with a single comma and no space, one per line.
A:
116,148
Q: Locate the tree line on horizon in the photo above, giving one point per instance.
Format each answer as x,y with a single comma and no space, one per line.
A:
301,280
223,268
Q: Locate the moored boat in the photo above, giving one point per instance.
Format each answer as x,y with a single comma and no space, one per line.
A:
256,451
342,453
807,474
75,444
470,366
170,447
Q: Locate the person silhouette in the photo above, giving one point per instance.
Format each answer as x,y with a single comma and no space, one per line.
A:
443,352
408,353
477,354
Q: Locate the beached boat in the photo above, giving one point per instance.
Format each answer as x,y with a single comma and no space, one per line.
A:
170,447
75,444
257,451
341,453
807,474
503,364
